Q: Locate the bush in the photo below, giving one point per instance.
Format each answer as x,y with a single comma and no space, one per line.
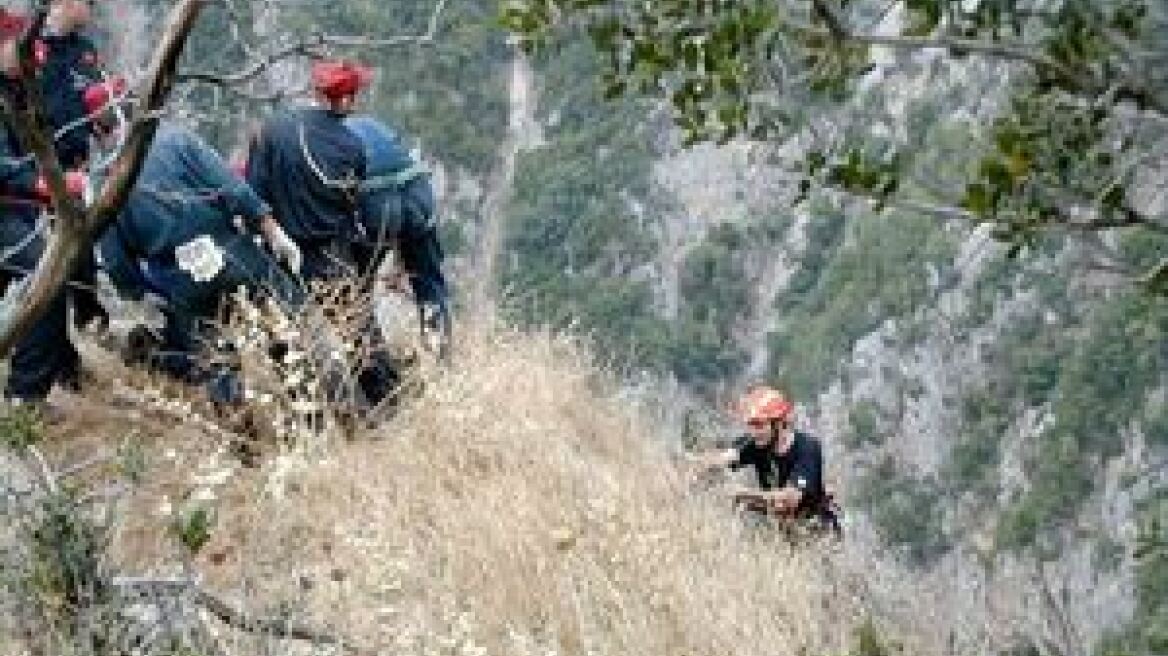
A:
1147,633
973,459
869,641
905,510
864,425
1061,480
880,273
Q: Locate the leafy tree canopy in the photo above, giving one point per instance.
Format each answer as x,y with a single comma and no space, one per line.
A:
1070,96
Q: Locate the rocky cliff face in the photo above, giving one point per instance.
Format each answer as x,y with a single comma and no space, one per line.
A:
915,371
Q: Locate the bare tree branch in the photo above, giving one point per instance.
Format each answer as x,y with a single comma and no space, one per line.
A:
74,228
154,588
305,47
1129,218
314,45
277,628
1157,278
26,110
160,78
999,50
1143,95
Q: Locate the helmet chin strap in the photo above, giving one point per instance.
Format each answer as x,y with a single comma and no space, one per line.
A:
780,435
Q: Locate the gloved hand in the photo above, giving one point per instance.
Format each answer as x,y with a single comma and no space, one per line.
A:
284,248
75,185
153,302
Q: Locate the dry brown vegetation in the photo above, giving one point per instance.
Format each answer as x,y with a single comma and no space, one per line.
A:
521,506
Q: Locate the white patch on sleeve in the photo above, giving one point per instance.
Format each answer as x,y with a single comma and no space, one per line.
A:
201,257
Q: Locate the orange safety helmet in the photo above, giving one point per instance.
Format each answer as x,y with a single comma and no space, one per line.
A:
764,404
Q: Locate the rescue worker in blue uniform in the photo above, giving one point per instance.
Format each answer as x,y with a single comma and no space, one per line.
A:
44,356
397,211
178,237
309,166
69,64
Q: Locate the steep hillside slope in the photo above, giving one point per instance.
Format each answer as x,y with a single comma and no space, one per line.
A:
527,504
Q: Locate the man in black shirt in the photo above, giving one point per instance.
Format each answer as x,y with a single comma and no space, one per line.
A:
788,463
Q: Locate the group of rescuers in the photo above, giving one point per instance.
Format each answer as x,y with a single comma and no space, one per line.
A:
323,193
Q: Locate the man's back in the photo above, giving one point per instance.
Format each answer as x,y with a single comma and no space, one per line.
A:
305,164
184,190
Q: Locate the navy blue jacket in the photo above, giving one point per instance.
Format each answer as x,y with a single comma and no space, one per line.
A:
185,190
313,193
397,199
18,176
70,66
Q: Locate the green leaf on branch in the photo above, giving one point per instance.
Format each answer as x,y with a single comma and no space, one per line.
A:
978,200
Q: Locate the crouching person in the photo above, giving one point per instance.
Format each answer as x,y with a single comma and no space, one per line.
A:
788,464
187,235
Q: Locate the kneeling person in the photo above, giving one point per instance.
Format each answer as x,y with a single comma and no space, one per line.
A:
176,237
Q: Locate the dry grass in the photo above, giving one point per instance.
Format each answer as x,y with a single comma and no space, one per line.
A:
520,507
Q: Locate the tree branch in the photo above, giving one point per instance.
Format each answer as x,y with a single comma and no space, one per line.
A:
314,45
277,628
1129,218
308,46
366,42
1157,278
74,229
152,587
31,127
160,78
1009,52
1144,96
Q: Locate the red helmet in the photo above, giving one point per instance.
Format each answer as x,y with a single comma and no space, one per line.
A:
761,405
11,25
99,94
339,79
